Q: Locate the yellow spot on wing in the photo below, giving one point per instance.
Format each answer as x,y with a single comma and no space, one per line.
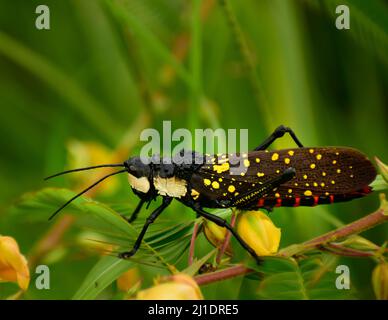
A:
207,182
215,185
286,160
257,160
308,193
322,184
221,168
305,176
291,153
277,195
311,150
275,156
194,194
332,182
319,156
312,166
324,174
231,188
338,170
334,161
260,174
289,190
246,163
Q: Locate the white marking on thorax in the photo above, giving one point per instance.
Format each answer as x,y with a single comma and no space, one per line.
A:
140,184
173,187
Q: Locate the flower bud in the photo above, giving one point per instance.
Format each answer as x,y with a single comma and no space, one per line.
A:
259,232
216,235
176,287
380,281
13,265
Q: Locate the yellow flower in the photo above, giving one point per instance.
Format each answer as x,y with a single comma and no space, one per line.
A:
13,265
177,287
380,281
257,230
128,279
215,235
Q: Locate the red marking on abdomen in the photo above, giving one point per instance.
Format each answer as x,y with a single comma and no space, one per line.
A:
331,198
316,199
297,202
278,202
366,190
261,202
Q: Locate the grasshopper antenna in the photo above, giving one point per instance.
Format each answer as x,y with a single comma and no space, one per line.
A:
87,168
82,192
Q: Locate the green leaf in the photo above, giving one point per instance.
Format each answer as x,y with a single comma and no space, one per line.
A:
310,278
107,270
38,206
164,242
197,264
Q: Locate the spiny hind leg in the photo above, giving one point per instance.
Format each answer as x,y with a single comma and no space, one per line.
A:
222,223
278,133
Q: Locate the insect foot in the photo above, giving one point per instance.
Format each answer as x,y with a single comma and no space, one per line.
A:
126,255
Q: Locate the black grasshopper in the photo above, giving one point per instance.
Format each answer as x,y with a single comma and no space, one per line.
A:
257,179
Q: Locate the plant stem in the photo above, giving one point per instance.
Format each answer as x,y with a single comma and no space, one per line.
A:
378,217
228,273
226,240
192,243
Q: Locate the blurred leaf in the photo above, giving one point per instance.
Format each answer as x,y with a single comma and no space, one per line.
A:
130,20
79,100
369,24
379,184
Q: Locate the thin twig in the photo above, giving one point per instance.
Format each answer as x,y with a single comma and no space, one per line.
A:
228,273
192,243
226,240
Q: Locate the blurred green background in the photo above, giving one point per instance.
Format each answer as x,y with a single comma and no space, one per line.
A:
108,69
